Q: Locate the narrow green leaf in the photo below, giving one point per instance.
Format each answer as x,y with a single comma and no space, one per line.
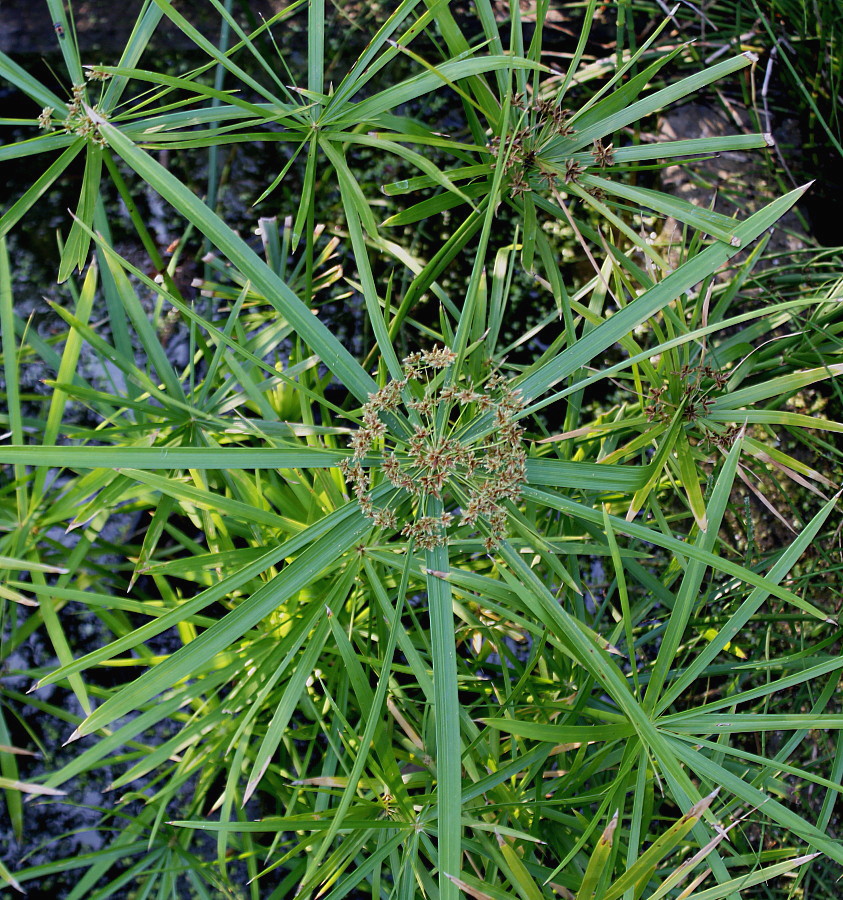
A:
39,187
666,446
713,773
518,874
606,124
765,876
704,220
28,84
412,88
775,387
46,143
663,844
426,209
186,28
75,252
748,608
195,605
690,479
287,705
417,183
316,47
598,863
448,756
195,656
653,536
738,723
136,45
314,332
222,458
11,372
693,147
651,301
562,734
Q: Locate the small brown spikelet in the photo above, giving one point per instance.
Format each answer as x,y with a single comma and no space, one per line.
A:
604,154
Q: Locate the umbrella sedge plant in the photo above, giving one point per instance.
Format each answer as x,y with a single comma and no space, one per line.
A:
440,628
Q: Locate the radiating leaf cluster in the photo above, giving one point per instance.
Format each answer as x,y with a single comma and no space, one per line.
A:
294,703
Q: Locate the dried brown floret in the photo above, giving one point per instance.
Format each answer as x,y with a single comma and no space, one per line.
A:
438,358
95,74
573,169
604,155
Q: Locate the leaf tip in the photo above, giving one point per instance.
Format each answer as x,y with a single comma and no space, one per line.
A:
702,805
247,794
74,737
609,831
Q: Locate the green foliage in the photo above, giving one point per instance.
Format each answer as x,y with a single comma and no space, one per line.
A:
421,618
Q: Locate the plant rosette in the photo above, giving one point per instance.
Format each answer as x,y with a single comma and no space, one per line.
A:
422,427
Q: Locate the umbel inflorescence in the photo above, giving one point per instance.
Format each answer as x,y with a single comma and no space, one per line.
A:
78,119
421,425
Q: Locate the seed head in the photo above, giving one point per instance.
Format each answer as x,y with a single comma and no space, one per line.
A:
439,458
45,120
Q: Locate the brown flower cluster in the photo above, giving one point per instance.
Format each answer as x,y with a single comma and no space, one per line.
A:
437,457
524,146
604,155
724,439
697,400
92,73
77,121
